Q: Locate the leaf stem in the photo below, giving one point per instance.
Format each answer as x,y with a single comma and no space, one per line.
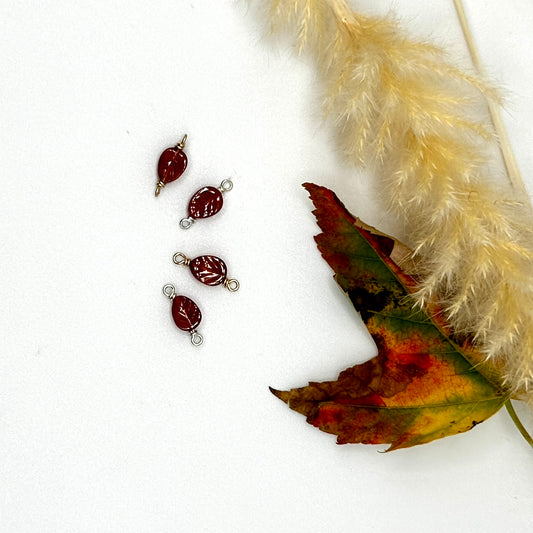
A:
517,423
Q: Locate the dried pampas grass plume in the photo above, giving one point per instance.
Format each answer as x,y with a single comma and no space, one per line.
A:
401,107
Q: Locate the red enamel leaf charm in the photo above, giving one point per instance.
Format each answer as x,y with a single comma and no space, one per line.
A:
208,269
172,165
186,313
205,203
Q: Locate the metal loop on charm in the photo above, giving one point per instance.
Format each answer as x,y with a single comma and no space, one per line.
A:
160,185
232,285
181,259
186,223
181,144
196,338
225,186
169,291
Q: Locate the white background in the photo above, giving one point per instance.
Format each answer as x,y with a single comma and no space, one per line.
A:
111,421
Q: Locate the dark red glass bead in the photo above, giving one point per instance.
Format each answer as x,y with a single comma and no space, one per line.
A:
186,313
172,164
208,269
205,203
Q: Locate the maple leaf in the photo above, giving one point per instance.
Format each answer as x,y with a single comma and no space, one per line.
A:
422,385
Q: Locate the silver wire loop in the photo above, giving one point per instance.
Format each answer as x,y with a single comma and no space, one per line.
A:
169,291
232,285
196,338
160,185
181,144
225,186
181,259
186,223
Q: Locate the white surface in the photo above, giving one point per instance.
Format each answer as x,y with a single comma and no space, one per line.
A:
110,420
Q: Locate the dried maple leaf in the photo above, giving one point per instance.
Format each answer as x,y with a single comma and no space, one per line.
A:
422,385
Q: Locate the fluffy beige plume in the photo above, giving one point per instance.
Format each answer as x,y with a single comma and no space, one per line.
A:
403,109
